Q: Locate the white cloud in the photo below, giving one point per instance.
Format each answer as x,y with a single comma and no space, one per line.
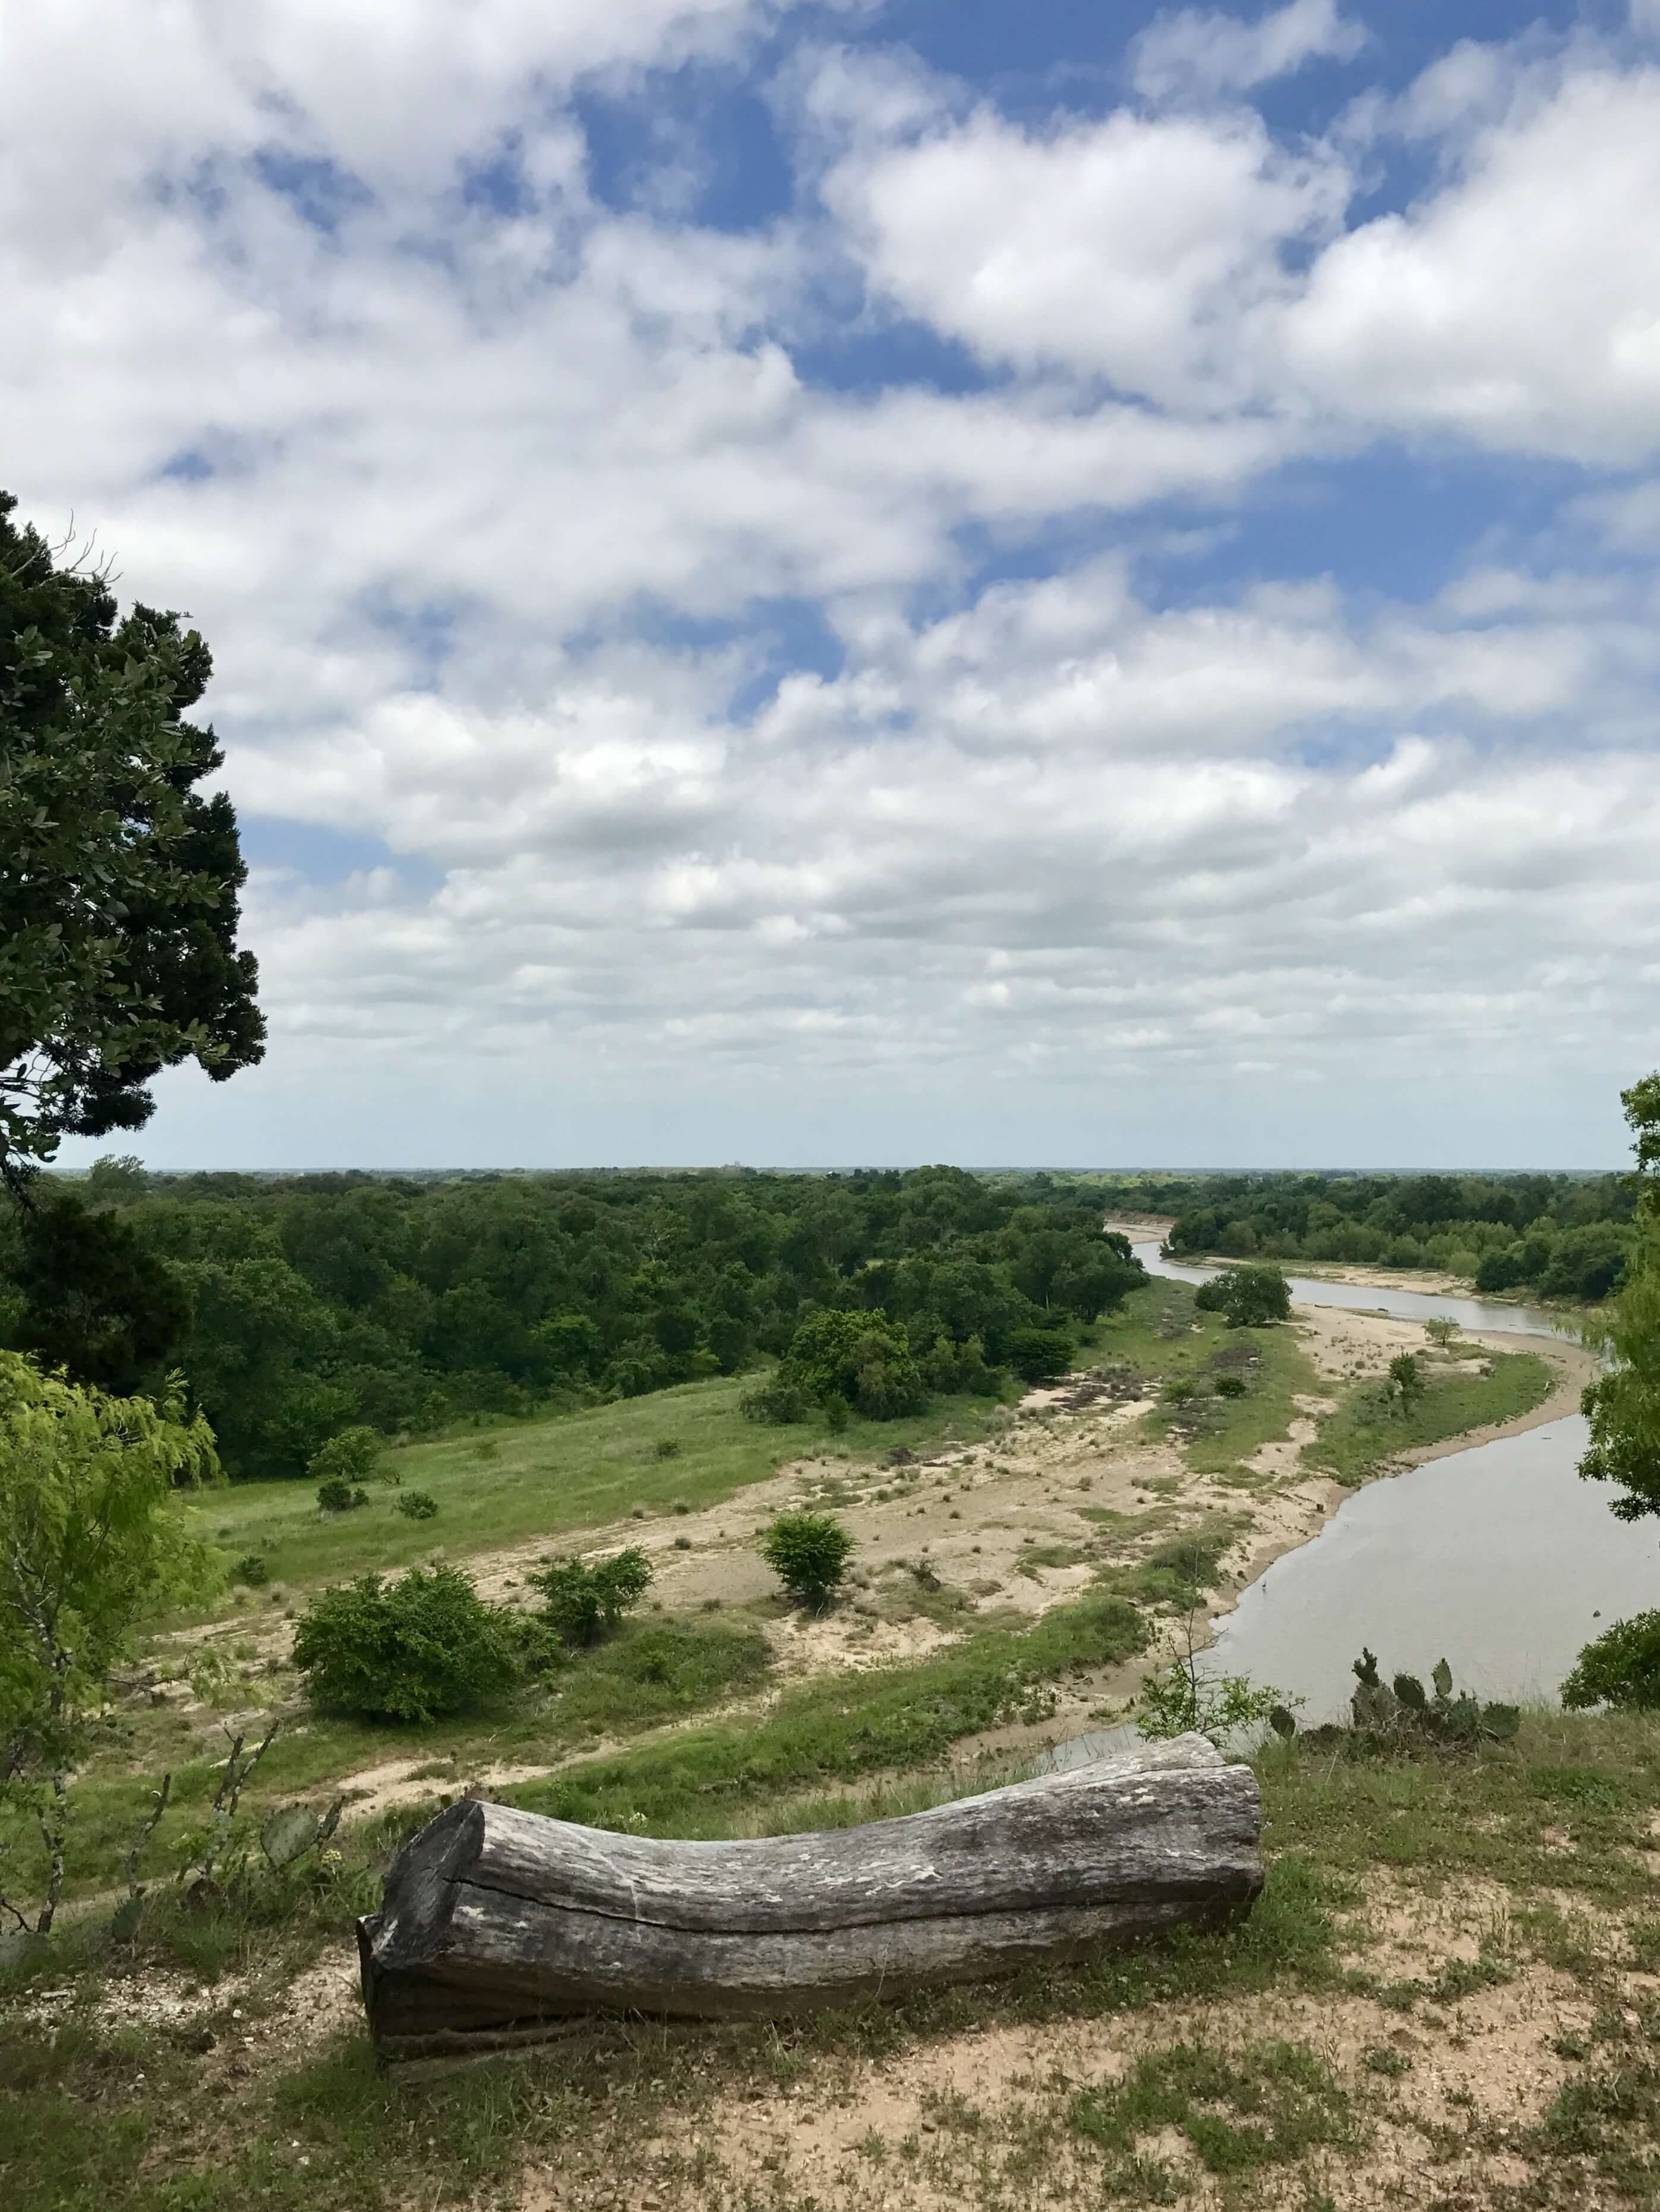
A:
1204,53
1128,249
1520,305
508,505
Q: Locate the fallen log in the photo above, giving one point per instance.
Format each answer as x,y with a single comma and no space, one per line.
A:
498,1926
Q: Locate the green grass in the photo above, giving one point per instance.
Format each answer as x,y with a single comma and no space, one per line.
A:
96,2117
553,1477
1366,1431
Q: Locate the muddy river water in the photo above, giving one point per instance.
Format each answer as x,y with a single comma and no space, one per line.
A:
1498,1558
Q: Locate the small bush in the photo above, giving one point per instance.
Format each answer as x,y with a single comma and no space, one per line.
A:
252,1569
419,1505
666,1448
409,1652
337,1495
584,1603
809,1553
1620,1667
1230,1386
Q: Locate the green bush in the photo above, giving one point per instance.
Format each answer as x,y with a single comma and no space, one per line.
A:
417,1504
583,1603
1246,1298
1620,1667
778,1402
251,1568
337,1495
809,1553
411,1651
862,1356
1230,1386
348,1457
1039,1355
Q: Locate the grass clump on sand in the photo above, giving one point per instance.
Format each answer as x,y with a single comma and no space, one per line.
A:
1372,1427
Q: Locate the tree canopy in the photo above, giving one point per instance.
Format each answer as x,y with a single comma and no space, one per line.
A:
118,901
1623,1404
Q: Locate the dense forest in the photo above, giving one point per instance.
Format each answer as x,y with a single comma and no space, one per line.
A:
1561,1236
298,1307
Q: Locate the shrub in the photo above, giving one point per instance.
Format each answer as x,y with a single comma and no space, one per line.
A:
411,1651
959,1369
347,1458
837,1413
666,1448
1246,1298
1229,1386
862,1356
584,1603
337,1495
809,1553
1039,1355
775,1400
1406,1380
1620,1667
419,1505
252,1569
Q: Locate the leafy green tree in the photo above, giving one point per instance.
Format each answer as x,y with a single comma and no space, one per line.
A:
118,900
583,1604
1246,1298
809,1553
863,1358
1039,1355
1623,1404
96,1302
348,1458
409,1652
1620,1668
91,1545
116,1179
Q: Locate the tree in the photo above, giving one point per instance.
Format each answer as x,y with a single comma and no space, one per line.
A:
91,1544
809,1553
864,1357
1623,1404
1246,1298
119,905
1039,1355
96,1302
116,1179
348,1457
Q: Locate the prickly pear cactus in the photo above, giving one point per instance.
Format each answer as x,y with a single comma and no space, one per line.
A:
293,1830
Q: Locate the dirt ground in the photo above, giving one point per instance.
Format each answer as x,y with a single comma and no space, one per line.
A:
999,1530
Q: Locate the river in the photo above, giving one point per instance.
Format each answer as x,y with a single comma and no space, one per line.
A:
1497,1559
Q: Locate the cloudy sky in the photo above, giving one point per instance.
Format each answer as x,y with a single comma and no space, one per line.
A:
883,579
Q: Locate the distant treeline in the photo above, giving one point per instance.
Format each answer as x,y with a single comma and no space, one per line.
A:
300,1306
1561,1236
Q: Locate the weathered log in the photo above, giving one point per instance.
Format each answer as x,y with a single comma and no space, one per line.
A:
498,1926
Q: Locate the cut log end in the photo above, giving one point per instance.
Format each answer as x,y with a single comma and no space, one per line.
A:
501,1927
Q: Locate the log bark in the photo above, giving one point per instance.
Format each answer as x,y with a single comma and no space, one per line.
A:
498,1926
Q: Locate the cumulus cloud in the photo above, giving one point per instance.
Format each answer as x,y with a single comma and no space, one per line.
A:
1204,53
1519,304
717,725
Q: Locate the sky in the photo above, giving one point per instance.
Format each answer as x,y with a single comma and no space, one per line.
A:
813,584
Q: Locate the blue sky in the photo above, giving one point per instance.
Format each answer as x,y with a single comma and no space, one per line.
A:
830,583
